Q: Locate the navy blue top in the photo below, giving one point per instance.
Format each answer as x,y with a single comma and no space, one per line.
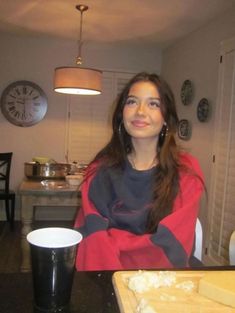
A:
123,196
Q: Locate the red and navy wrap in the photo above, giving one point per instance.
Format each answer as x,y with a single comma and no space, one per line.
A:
112,219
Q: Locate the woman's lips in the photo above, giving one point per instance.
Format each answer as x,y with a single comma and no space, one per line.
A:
138,123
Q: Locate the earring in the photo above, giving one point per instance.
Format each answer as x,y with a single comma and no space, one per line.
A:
164,131
163,134
120,129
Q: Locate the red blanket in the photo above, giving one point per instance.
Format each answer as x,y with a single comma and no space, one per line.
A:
104,248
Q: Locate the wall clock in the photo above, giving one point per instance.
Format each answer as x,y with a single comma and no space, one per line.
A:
184,129
23,103
203,110
186,92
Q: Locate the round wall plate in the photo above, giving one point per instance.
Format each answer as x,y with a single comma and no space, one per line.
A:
184,129
186,92
203,110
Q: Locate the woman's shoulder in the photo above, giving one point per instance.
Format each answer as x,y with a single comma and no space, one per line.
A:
187,158
190,162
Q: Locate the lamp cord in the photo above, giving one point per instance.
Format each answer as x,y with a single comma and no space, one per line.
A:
80,8
79,58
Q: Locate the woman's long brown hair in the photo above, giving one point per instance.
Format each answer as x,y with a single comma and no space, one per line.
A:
115,152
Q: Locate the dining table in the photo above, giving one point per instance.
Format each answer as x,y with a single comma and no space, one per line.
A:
92,291
42,193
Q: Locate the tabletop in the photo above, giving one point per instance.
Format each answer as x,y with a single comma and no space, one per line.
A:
47,187
92,292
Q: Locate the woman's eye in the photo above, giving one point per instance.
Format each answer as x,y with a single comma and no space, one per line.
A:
130,101
154,104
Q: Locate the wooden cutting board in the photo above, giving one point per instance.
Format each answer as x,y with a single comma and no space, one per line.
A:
166,299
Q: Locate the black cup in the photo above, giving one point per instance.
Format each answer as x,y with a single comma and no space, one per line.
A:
53,268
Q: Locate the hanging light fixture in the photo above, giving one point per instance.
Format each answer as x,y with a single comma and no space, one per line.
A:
78,80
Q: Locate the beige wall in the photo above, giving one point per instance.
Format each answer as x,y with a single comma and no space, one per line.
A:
196,57
34,59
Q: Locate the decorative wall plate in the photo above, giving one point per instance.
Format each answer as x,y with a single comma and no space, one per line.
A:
203,110
184,129
186,92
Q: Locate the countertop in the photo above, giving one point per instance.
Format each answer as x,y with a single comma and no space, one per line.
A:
47,187
92,293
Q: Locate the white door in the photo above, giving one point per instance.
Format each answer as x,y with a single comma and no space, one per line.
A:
222,195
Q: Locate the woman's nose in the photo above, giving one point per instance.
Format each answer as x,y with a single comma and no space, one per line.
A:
141,108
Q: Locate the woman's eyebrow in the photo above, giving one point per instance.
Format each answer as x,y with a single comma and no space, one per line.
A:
154,98
132,96
151,98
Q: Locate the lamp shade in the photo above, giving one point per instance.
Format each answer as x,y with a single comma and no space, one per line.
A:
77,80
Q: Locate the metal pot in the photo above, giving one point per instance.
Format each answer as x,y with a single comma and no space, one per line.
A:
34,170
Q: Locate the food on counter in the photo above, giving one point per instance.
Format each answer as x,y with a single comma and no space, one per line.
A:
43,160
143,281
148,291
219,286
186,285
144,307
74,180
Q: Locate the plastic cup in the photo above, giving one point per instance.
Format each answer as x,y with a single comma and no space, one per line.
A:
53,253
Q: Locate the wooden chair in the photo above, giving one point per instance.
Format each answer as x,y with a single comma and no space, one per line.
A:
232,249
5,193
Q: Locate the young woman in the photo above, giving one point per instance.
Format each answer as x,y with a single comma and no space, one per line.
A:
140,196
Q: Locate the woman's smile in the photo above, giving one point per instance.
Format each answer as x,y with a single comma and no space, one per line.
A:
139,123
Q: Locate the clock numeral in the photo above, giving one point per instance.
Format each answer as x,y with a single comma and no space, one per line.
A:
37,104
23,116
24,90
11,95
30,92
36,97
10,102
17,91
12,108
17,114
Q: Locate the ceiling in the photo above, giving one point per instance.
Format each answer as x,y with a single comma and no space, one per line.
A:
160,22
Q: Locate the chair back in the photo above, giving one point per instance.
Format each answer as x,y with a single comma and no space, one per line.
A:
5,166
198,240
232,249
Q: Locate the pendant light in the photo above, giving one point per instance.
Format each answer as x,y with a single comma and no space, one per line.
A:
78,80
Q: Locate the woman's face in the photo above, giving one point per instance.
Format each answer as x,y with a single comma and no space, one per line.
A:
142,116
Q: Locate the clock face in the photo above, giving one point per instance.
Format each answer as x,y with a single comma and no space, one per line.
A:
23,103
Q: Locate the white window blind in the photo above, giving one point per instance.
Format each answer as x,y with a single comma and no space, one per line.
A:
222,205
89,118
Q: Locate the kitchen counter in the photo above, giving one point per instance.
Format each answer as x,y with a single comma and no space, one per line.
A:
92,293
47,193
57,187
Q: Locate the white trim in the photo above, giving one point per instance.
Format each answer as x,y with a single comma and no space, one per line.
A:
217,241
